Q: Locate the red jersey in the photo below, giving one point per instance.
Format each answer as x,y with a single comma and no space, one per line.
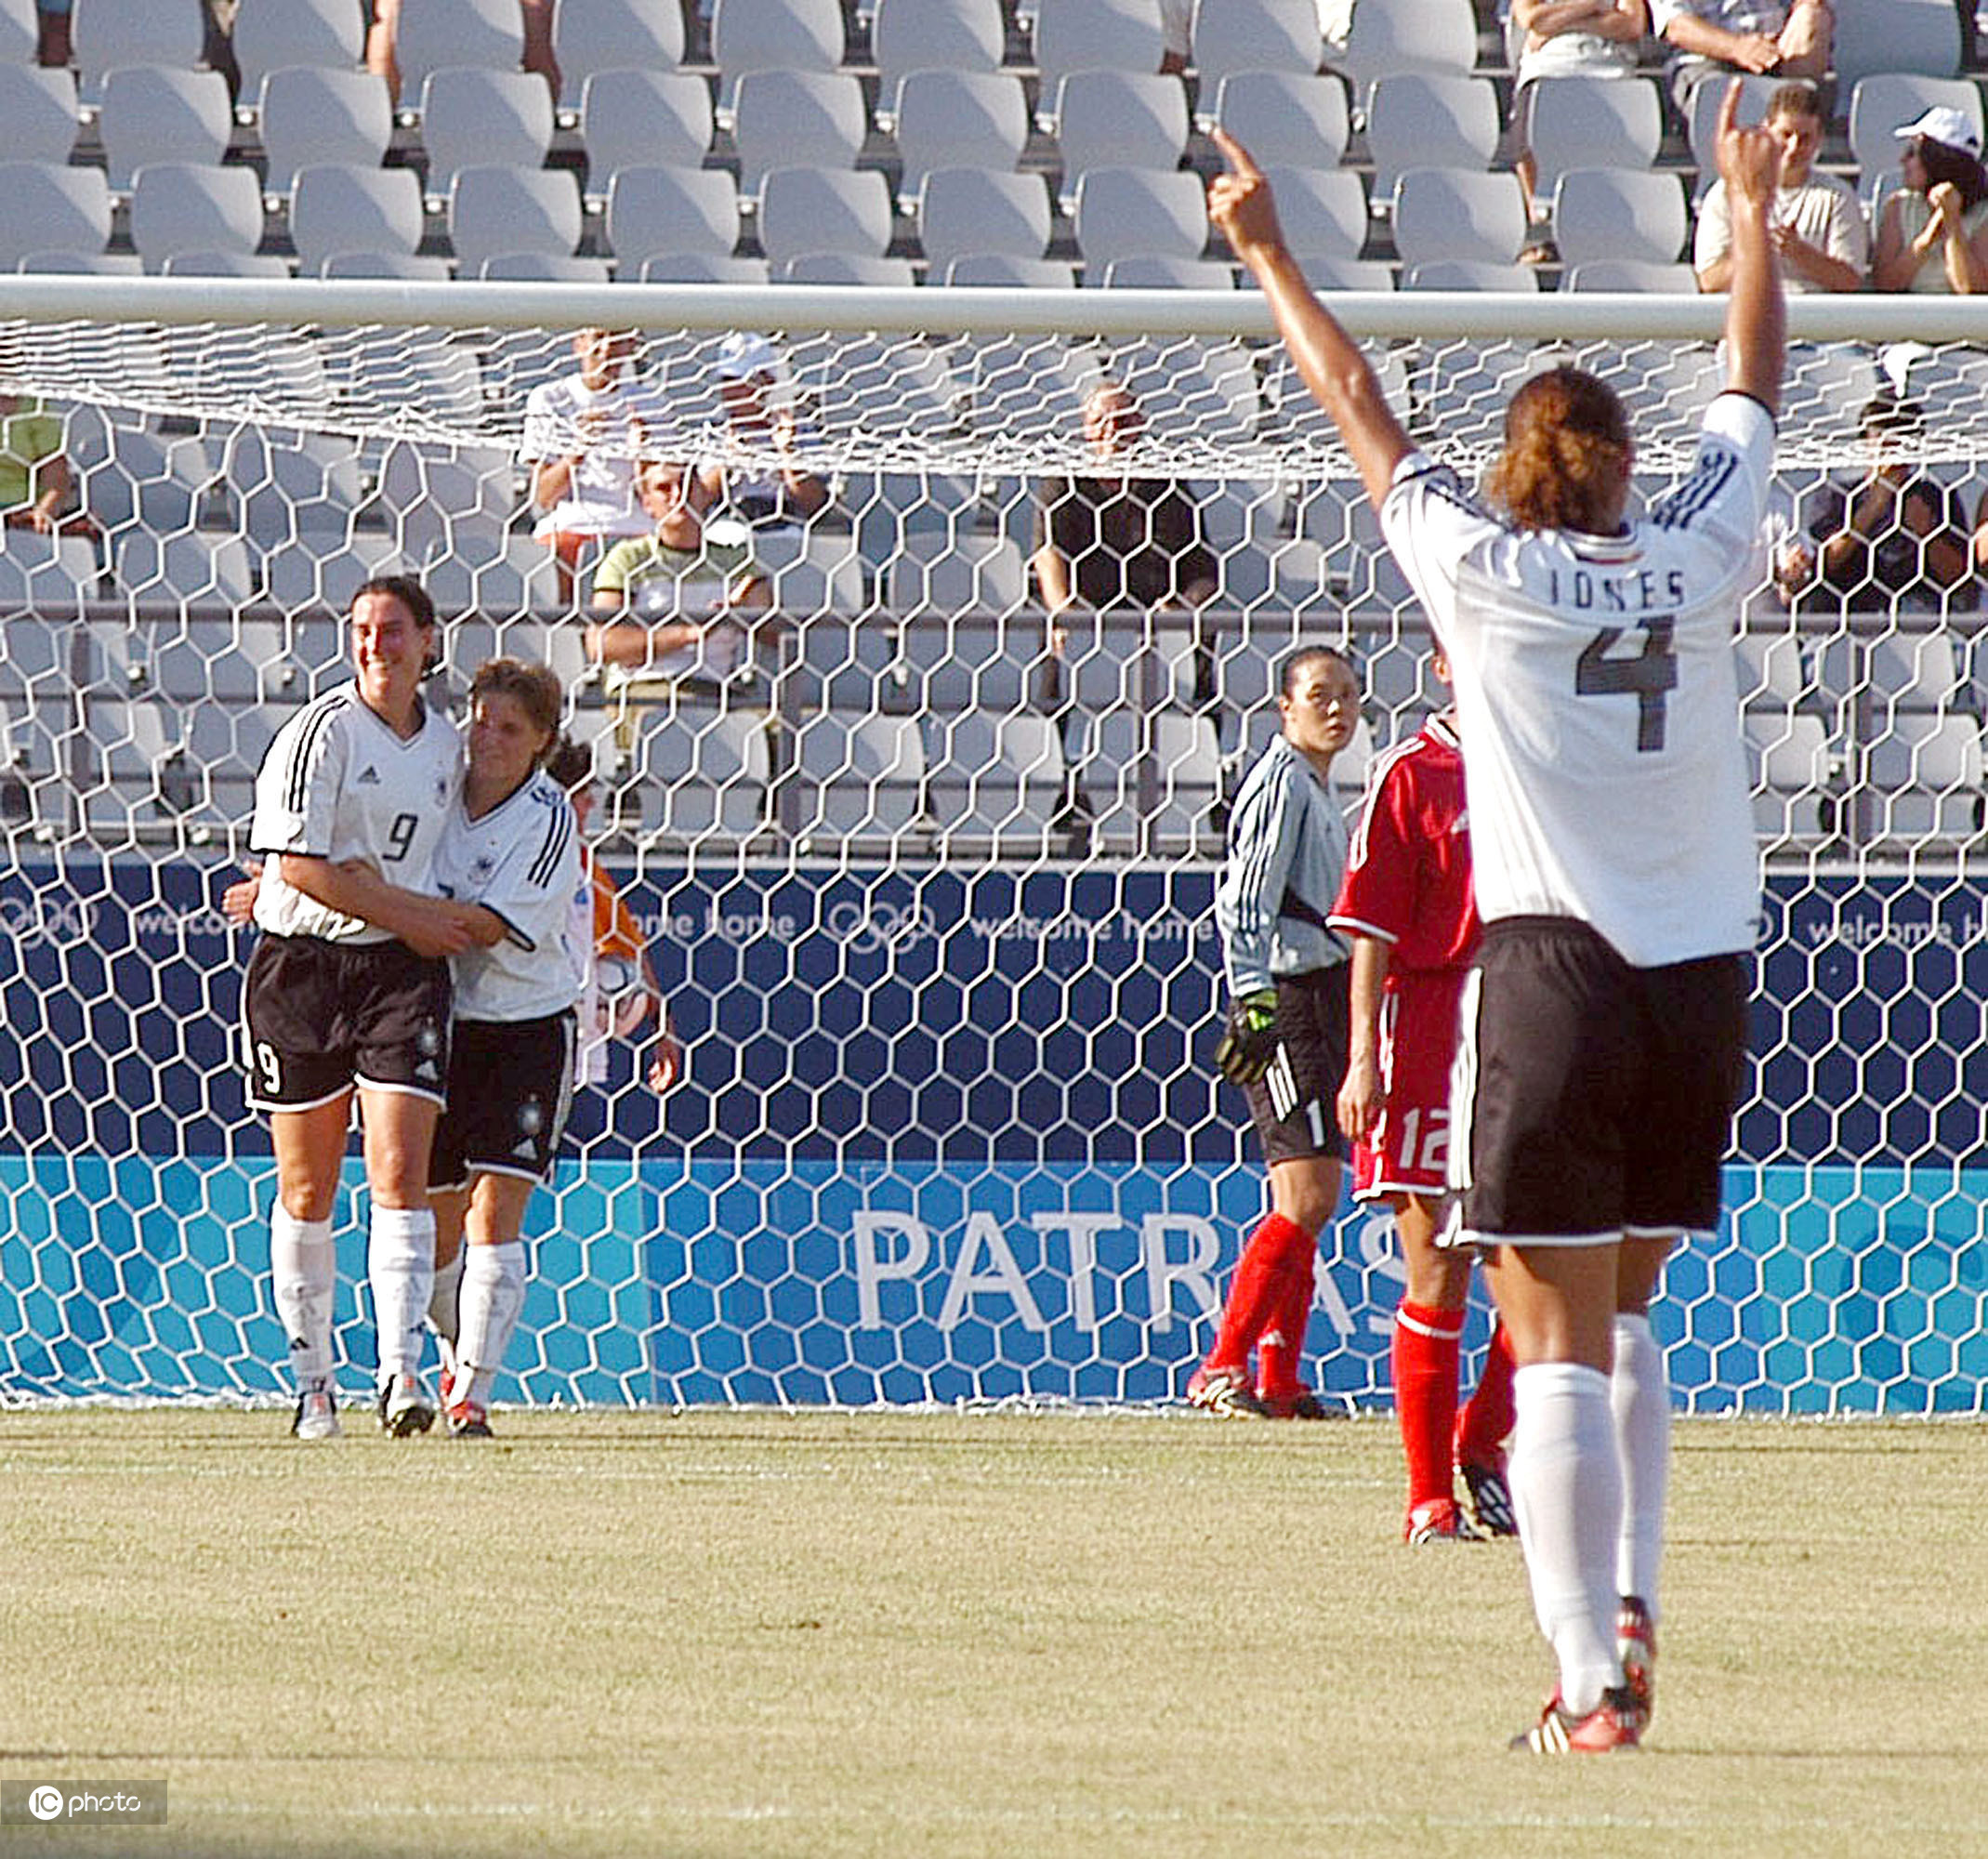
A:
1408,869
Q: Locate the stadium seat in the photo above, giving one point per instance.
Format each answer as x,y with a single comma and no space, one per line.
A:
858,776
950,119
1630,275
749,36
995,779
1323,212
1419,119
47,207
440,34
162,116
405,266
1116,119
82,264
804,210
310,115
840,663
388,374
995,271
1167,274
1285,119
1702,131
699,772
1461,274
1916,35
964,37
441,500
42,106
544,268
671,211
474,118
1255,36
1410,36
43,582
697,268
287,487
1793,771
1442,212
110,34
593,37
1323,272
498,211
871,385
224,265
275,36
1617,213
1592,122
335,208
974,211
186,566
643,119
795,119
19,32
1149,781
138,777
519,578
1096,35
182,206
1133,213
842,267
945,575
1883,102
949,661
1926,777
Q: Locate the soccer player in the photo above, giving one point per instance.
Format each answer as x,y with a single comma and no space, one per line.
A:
347,990
1407,904
1285,1042
1604,1026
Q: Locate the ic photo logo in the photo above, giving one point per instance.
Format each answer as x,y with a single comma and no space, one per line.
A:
47,922
45,1802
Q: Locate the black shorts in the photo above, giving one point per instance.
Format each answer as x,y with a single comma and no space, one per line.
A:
510,1085
1591,1100
1295,1104
318,1018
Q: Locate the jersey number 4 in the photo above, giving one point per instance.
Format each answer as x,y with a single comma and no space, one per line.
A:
1651,673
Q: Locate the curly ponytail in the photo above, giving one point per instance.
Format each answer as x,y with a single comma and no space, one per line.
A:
1566,454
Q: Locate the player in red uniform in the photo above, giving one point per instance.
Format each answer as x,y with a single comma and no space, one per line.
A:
1407,903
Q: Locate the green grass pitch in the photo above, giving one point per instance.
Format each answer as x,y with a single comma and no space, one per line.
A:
721,1634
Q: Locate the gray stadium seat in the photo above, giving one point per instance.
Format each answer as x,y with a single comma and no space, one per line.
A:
796,119
405,266
1130,213
643,119
1441,213
1921,36
301,577
1167,274
162,116
654,211
951,119
1323,212
183,207
698,268
1282,118
941,574
544,268
861,776
496,210
289,485
804,210
1591,122
699,773
976,211
46,207
441,33
42,106
1097,35
1326,273
1459,274
1117,119
275,36
966,37
1255,36
82,264
593,37
224,265
749,36
335,208
1702,131
188,566
995,778
1410,36
1617,213
996,271
312,115
109,33
475,118
841,268
1926,777
1630,275
19,32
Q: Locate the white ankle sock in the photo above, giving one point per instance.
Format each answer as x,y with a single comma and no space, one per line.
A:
493,1296
1640,1393
401,1267
445,1309
1567,1489
304,1277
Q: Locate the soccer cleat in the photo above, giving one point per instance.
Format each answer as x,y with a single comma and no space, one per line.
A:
404,1410
1488,1500
1224,1392
470,1420
317,1416
1636,1647
1299,1405
1439,1521
1614,1723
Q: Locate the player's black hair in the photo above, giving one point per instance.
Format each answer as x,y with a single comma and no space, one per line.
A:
418,602
1295,662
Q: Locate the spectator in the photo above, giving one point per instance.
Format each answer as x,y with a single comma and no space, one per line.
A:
748,375
1818,226
1755,38
37,489
685,603
583,439
1896,541
1566,38
382,40
1932,233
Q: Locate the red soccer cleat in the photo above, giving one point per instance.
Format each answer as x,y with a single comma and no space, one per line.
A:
1223,1392
1614,1723
1439,1521
1636,1647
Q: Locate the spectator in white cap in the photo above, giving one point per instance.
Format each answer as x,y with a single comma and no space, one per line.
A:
1932,232
756,476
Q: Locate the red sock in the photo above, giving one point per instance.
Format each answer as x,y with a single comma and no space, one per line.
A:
1252,1306
1487,1415
1425,1348
1280,1350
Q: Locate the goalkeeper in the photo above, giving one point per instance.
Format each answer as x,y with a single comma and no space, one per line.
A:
1285,1039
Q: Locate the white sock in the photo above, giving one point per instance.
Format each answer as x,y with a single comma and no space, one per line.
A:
401,1267
1566,1487
444,1300
493,1295
304,1276
1639,1392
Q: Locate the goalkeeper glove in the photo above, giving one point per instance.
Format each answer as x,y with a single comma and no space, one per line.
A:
1249,1040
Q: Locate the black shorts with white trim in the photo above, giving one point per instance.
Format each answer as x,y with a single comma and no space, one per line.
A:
510,1088
1293,1104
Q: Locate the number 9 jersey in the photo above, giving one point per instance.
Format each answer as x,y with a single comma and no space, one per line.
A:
1597,699
338,784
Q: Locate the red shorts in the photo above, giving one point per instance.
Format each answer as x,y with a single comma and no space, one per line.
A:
1409,1152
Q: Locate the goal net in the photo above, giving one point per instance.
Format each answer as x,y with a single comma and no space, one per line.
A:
924,879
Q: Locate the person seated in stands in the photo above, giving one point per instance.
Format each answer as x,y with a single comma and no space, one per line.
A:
684,604
1751,38
739,481
1932,232
1818,226
37,489
1565,38
382,43
1895,541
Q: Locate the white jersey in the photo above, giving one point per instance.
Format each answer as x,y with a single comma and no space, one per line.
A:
1596,700
603,426
338,784
520,860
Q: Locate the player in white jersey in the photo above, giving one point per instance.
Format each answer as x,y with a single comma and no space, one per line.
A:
347,990
1603,1027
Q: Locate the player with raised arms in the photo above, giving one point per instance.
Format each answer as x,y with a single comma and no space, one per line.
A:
1604,1026
1408,906
1285,1040
347,990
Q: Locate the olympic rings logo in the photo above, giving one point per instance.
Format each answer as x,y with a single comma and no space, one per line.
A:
44,922
868,928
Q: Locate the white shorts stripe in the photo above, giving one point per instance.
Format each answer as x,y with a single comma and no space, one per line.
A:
1463,1083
